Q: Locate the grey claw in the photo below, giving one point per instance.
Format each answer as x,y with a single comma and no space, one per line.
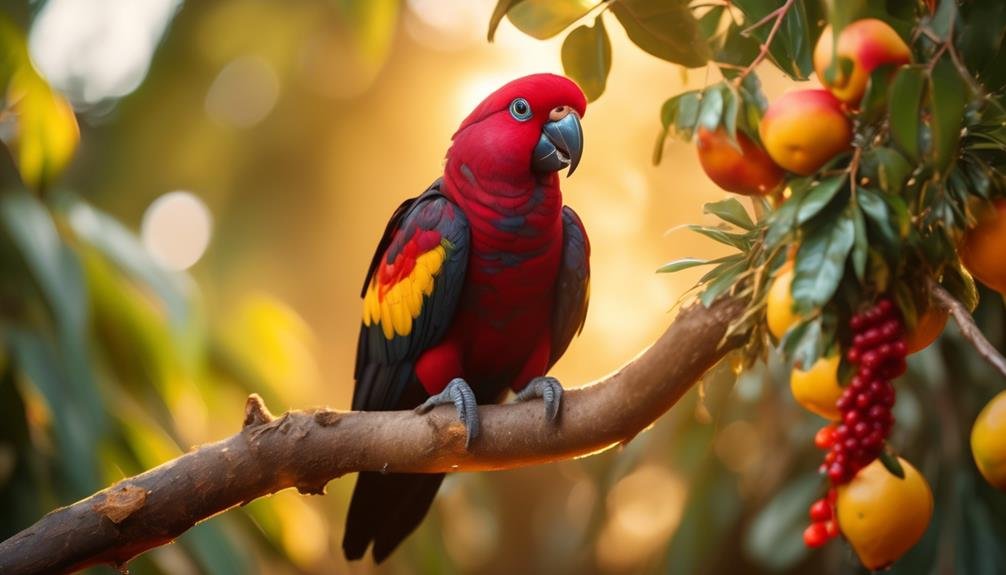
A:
549,389
461,395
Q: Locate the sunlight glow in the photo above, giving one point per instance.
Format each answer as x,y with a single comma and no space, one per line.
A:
98,49
243,93
176,229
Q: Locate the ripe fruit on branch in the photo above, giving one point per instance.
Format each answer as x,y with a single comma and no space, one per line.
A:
748,170
868,44
804,129
817,389
779,303
883,516
982,250
988,441
928,327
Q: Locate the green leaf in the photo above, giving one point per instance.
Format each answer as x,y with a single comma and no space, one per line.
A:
904,107
819,196
502,6
892,464
678,116
783,223
709,23
739,241
793,44
586,58
53,266
961,285
891,167
664,28
688,262
124,249
711,109
873,106
820,263
76,432
726,277
875,208
543,19
688,114
861,246
947,97
43,134
773,539
730,210
682,264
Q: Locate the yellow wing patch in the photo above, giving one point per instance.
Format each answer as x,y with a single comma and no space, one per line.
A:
398,305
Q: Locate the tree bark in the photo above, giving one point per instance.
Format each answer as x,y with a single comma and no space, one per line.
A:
307,449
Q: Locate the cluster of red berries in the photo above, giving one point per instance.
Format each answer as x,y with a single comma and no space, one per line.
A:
878,350
824,525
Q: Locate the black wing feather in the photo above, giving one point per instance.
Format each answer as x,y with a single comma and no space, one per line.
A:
573,286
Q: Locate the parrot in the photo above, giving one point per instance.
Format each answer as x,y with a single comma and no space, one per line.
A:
477,287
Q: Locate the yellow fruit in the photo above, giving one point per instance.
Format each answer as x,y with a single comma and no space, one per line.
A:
929,327
868,44
817,389
982,250
779,303
803,129
988,441
883,516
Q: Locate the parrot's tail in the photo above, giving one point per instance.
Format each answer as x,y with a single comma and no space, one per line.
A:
385,508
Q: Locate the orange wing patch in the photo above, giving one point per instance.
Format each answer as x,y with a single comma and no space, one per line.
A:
395,296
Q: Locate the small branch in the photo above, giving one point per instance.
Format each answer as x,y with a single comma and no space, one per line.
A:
969,330
307,449
779,14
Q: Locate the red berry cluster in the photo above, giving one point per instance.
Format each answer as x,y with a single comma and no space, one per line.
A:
824,525
878,350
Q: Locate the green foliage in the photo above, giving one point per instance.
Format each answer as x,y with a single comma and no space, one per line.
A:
586,56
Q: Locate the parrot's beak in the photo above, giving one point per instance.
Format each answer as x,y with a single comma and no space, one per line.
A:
560,146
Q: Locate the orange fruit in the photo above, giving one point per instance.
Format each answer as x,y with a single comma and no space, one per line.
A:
982,249
868,44
928,327
803,129
988,441
883,516
779,303
741,167
817,389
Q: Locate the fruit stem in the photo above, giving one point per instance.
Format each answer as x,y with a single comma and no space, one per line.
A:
968,327
779,14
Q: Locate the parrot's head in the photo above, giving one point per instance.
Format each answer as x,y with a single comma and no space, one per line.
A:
528,127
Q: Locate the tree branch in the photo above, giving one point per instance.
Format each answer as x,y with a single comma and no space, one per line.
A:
307,449
969,330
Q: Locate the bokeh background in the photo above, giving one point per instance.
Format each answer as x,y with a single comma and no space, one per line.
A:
255,150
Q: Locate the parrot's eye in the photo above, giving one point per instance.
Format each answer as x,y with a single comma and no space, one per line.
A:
520,110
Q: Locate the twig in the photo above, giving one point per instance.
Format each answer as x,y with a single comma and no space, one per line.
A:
307,449
779,14
969,330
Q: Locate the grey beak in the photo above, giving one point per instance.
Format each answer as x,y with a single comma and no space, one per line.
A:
560,146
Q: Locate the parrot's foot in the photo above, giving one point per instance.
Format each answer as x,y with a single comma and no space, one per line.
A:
460,394
547,388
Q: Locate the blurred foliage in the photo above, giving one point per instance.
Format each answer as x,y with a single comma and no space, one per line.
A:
111,364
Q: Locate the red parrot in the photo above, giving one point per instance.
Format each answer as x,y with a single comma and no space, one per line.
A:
477,287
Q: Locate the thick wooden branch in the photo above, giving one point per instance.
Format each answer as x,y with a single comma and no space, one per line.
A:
307,449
